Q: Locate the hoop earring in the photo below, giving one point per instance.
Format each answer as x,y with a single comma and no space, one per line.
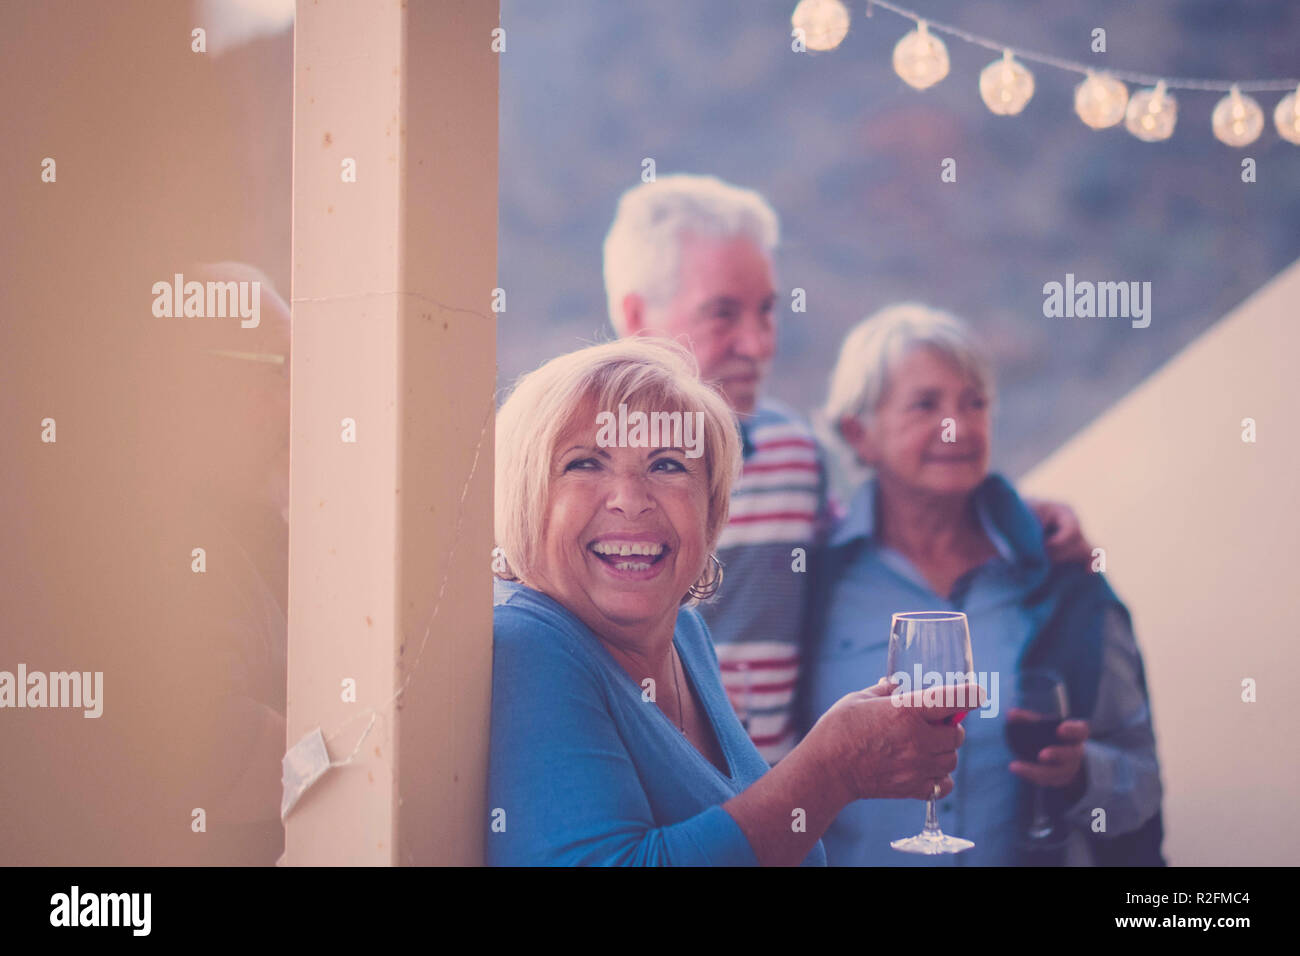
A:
501,567
703,590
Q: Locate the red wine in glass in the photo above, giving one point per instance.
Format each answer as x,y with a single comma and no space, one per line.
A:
1029,735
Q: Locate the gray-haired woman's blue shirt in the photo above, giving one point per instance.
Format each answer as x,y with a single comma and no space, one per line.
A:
1120,763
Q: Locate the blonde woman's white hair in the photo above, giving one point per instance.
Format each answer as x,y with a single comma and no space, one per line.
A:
647,374
876,345
642,250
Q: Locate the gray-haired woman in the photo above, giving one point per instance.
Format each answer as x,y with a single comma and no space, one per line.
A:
933,529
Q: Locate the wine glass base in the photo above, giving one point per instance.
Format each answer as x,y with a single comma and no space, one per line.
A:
932,844
1043,843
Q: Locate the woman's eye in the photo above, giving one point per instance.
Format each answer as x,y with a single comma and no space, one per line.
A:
581,464
670,465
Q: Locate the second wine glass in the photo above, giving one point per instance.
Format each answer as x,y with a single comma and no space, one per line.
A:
1038,705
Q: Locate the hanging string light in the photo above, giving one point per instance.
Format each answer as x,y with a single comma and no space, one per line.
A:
1237,120
1152,114
824,23
1006,86
1287,117
920,58
1100,100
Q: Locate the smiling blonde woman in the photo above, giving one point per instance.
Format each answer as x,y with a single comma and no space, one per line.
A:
613,742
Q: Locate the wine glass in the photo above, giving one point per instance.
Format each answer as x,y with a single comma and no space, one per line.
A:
931,642
1038,705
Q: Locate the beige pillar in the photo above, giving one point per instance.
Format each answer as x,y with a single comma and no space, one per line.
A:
394,341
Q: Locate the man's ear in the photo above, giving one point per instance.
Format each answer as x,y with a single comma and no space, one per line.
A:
633,314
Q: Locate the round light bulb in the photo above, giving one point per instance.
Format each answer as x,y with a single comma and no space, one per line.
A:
920,58
1006,86
1152,114
1237,120
824,23
1287,117
1100,100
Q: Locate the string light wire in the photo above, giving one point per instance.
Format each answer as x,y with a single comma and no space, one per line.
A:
1141,79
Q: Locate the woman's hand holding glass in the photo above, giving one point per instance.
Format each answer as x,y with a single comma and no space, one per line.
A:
1061,764
879,745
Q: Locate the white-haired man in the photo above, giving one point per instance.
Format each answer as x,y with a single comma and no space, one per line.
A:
690,257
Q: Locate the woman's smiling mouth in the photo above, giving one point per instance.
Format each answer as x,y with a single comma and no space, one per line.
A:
634,558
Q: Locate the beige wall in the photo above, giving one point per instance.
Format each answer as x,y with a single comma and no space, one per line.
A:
166,157
161,447
1200,531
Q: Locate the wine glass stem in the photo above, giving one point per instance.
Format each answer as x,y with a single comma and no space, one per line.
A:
1041,823
931,817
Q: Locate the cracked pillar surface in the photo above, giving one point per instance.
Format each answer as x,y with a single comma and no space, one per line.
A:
393,382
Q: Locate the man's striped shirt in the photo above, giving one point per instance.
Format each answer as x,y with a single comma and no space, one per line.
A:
757,619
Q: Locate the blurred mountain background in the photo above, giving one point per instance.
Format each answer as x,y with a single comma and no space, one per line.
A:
850,157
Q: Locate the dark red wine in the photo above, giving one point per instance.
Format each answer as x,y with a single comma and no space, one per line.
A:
1027,737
